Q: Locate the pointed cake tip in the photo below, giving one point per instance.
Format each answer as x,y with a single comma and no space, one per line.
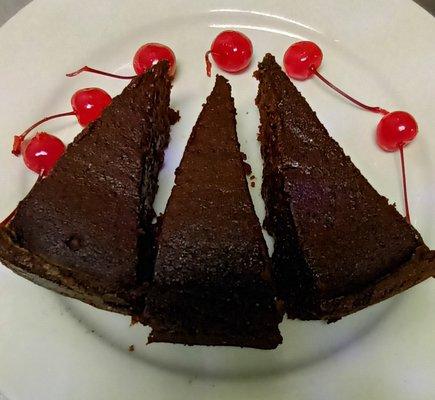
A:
161,67
269,58
221,88
268,62
222,81
221,78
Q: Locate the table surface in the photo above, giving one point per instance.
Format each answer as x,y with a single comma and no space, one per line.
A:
8,8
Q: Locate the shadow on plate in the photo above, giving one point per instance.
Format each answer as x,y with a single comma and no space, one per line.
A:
306,343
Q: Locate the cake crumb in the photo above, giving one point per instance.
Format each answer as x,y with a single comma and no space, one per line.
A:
253,184
174,116
134,320
246,167
131,348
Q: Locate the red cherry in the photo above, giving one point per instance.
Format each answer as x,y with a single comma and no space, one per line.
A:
395,130
87,104
41,153
150,54
302,59
231,51
146,56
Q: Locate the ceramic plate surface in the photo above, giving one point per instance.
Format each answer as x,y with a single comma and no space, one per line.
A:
382,52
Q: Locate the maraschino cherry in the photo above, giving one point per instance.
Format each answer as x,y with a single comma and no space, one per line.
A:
302,60
146,56
395,130
87,105
40,154
231,51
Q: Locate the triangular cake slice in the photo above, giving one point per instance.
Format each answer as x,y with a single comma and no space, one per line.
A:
212,272
83,230
339,245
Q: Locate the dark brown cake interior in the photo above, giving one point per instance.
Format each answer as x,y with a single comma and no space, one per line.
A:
335,235
89,221
212,281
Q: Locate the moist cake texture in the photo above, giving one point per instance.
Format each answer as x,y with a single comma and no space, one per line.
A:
339,245
212,283
85,230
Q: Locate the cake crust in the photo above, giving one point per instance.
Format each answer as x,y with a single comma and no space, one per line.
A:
59,279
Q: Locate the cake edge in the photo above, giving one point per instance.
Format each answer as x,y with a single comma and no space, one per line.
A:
50,276
418,268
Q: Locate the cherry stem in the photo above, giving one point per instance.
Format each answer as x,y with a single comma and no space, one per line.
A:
208,63
99,72
378,110
405,190
18,139
11,216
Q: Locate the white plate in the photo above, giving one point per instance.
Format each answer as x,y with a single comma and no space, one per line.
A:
55,348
